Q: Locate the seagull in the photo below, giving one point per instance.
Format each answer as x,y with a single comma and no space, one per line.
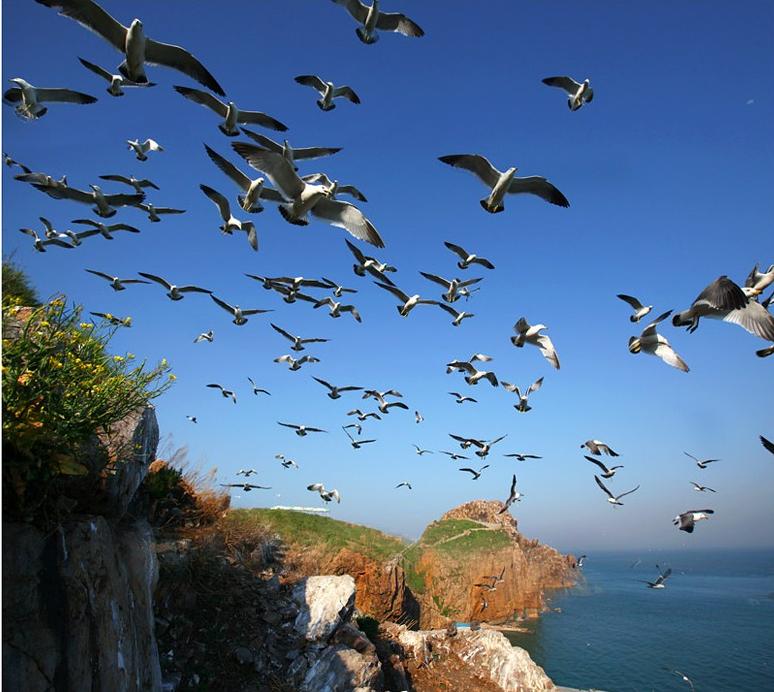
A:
115,283
103,204
650,341
662,577
40,245
519,456
408,302
247,487
326,495
372,18
466,258
105,230
578,94
606,472
404,484
302,198
376,394
356,444
701,463
684,677
174,292
523,405
597,448
44,183
465,442
327,91
192,419
227,393
298,342
384,406
117,81
301,430
768,444
687,520
759,281
295,364
9,161
290,153
613,499
454,456
256,389
50,232
253,190
115,321
153,211
461,399
513,496
485,447
338,290
473,375
724,300
421,451
701,488
205,336
30,99
334,186
357,427
458,315
136,183
232,116
363,416
246,472
476,474
530,334
337,308
240,315
369,264
333,391
141,149
287,463
77,238
230,222
418,417
137,48
452,286
504,182
580,561
640,310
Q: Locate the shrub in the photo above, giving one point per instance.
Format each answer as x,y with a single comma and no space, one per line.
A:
16,286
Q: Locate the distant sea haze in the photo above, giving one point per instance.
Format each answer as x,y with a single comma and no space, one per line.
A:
714,622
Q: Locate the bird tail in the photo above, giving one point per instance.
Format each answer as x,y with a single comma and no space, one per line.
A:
682,319
285,211
321,105
256,209
365,37
140,78
492,210
226,131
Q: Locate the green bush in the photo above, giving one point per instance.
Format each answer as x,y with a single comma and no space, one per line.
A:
17,286
61,386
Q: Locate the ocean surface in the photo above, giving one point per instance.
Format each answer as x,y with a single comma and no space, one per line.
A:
714,621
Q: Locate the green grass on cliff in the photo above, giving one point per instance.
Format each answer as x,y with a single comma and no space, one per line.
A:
312,530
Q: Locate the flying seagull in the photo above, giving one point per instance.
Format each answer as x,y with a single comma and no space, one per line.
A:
454,456
205,336
246,472
256,389
458,315
153,211
501,183
338,289
141,149
530,334
523,405
613,499
577,94
473,376
302,198
376,394
192,419
40,245
9,161
759,281
597,448
687,520
606,472
104,205
326,495
724,300
327,91
29,99
117,82
230,222
286,463
701,488
519,456
298,342
684,678
295,364
356,444
418,417
336,308
334,186
301,430
371,19
640,310
404,484
580,561
385,406
136,183
650,341
292,154
247,487
452,286
408,303
137,48
363,416
513,496
476,474
174,292
115,283
421,451
240,315
226,393
701,463
333,391
466,258
662,577
369,264
253,190
232,116
461,399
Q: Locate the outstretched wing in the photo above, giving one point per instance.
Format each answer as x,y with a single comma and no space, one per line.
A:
476,164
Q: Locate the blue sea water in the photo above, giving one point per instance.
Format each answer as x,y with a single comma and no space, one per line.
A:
714,622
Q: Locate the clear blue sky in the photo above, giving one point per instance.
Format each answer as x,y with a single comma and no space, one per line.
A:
669,174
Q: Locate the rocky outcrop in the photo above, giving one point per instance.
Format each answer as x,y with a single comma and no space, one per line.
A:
77,601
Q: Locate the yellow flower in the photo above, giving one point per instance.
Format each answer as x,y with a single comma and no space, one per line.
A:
118,359
164,363
172,378
86,325
130,356
24,378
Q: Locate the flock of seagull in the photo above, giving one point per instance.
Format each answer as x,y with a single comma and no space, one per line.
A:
298,197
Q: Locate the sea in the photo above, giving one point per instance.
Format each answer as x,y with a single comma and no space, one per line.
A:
714,622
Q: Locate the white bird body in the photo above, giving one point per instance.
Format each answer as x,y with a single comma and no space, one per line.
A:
577,93
371,19
530,334
29,98
653,343
141,149
117,82
640,310
295,364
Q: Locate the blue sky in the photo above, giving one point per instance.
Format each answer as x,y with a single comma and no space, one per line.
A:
669,175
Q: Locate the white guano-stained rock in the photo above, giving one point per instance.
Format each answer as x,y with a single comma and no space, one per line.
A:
324,603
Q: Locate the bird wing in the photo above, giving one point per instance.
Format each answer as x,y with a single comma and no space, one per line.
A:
315,429
198,289
650,330
448,308
722,294
203,98
546,347
229,169
258,118
276,167
636,304
513,485
289,425
168,210
511,388
91,16
157,279
346,189
11,96
484,262
64,96
311,80
315,487
96,69
116,179
597,462
220,201
566,83
436,279
628,492
347,92
462,365
158,53
469,282
359,256
215,386
400,295
264,141
537,185
349,217
670,357
223,304
288,336
537,384
456,249
602,485
474,472
316,153
322,382
754,318
101,274
394,21
357,9
476,164
122,200
768,444
71,193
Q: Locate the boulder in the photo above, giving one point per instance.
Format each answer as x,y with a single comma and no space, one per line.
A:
341,669
324,602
